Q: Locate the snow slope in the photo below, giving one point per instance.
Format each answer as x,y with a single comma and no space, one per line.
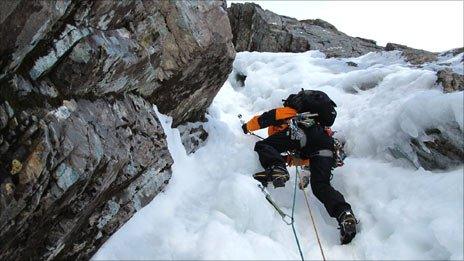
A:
212,208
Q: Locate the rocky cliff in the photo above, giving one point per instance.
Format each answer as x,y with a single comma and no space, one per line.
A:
81,148
255,29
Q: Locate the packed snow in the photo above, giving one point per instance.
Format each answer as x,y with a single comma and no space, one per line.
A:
213,209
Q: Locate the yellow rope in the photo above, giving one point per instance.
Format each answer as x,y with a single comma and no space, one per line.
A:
312,219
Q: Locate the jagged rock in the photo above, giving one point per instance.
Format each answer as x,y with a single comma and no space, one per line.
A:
107,150
352,64
78,80
450,81
414,56
255,29
438,148
5,114
321,23
193,136
177,55
444,148
454,52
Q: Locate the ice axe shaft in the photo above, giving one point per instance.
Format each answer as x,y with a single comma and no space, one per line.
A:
286,218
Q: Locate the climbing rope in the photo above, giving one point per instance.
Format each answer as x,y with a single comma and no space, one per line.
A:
293,225
283,214
292,220
289,220
312,218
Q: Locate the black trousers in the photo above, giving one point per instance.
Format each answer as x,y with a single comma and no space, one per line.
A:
269,151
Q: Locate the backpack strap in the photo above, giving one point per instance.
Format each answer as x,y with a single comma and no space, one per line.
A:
324,153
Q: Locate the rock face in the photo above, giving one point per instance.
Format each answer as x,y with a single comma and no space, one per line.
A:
89,166
169,53
193,136
443,150
454,52
413,56
81,148
255,29
450,81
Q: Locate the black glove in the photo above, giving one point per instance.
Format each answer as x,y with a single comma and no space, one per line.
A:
244,128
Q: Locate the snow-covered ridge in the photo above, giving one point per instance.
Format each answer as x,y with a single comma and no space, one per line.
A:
212,208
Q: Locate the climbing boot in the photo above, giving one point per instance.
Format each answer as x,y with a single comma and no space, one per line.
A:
264,177
347,223
279,175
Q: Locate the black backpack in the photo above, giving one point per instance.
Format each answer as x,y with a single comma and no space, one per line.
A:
314,102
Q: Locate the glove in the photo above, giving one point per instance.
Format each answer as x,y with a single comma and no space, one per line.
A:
244,128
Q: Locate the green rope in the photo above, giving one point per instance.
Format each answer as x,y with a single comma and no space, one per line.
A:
293,211
283,215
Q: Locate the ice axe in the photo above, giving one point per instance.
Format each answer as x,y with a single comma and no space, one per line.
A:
243,122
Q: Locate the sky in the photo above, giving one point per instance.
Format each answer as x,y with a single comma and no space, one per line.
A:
430,25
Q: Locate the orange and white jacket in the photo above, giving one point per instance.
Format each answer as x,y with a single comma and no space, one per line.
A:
275,119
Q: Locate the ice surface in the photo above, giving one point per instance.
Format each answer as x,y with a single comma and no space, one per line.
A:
212,208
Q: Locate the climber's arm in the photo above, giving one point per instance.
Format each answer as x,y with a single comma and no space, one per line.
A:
273,117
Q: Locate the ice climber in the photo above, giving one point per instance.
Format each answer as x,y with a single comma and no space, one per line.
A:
301,127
